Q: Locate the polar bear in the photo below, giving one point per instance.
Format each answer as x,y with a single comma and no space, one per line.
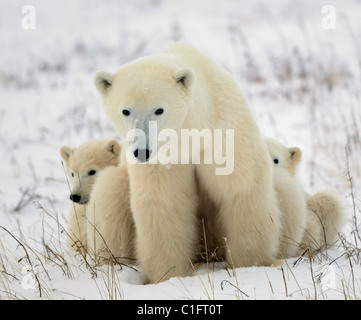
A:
182,89
291,196
324,219
82,166
110,228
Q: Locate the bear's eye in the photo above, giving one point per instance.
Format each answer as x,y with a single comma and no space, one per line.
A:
159,111
275,161
92,172
72,174
126,112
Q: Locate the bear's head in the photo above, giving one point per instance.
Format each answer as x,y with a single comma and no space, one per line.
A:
146,94
82,165
283,157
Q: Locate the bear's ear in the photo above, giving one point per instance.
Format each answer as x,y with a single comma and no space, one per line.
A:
65,152
295,154
103,81
114,147
185,77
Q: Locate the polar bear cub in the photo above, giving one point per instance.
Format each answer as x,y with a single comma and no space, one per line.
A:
291,197
324,218
82,166
110,229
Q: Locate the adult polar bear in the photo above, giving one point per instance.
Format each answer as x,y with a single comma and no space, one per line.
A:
183,89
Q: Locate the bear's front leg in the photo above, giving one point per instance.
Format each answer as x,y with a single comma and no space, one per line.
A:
252,230
164,205
247,218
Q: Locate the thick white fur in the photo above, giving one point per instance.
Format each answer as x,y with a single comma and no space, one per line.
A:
290,195
94,155
77,238
110,231
195,93
324,218
325,221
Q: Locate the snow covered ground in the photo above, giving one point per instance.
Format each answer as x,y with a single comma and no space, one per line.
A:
302,81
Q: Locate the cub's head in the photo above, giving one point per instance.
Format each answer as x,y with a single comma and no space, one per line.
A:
146,94
82,165
283,157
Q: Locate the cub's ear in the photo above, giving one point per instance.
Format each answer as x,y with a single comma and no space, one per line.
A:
103,81
295,155
65,152
185,77
114,147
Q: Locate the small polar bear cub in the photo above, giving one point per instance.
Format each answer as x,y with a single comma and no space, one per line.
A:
291,196
82,166
324,218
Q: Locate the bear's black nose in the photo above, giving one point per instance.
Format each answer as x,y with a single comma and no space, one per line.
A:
142,155
75,197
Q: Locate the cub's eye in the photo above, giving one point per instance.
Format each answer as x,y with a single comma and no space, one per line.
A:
126,112
275,161
72,174
92,172
159,111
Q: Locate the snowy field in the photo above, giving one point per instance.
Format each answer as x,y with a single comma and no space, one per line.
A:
300,74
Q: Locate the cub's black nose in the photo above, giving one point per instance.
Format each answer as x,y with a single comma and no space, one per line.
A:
75,197
142,155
